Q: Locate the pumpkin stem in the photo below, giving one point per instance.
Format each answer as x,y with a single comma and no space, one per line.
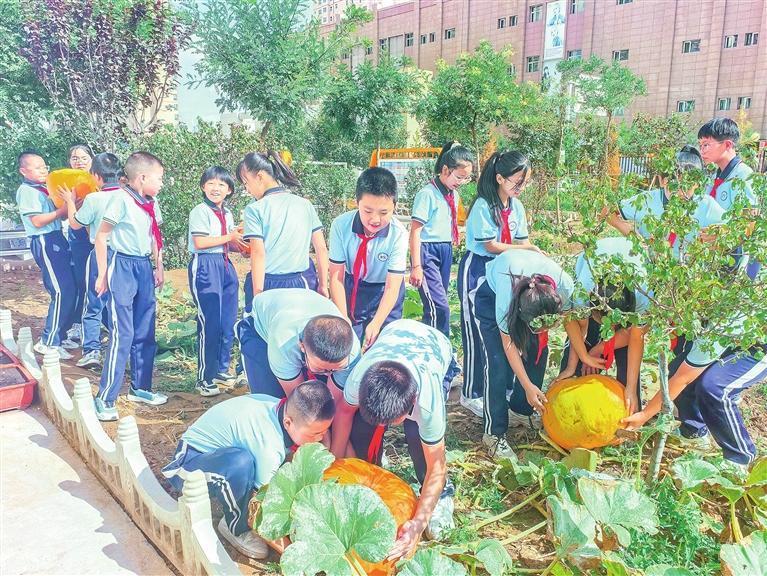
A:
524,534
510,511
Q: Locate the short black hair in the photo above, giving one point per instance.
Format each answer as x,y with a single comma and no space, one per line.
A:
107,167
328,337
618,297
311,401
25,154
720,129
387,392
139,162
217,173
377,181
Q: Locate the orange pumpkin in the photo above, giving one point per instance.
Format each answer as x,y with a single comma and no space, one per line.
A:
79,181
395,493
245,244
584,412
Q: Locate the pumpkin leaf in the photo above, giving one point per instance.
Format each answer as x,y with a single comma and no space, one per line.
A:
333,526
428,562
614,566
574,531
696,474
494,557
513,475
618,506
667,570
758,473
309,463
558,480
746,558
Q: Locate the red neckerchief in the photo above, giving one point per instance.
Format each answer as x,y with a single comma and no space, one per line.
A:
360,268
148,206
608,353
672,239
449,197
37,186
543,337
376,442
505,230
221,215
719,180
280,406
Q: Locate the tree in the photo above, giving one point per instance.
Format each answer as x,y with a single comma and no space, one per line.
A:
107,67
265,57
474,96
365,109
647,135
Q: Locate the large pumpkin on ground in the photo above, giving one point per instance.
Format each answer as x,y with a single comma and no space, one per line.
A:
395,493
80,181
584,412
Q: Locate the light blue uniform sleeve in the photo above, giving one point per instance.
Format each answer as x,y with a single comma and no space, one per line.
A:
522,232
432,422
481,222
503,295
636,208
115,211
398,256
86,215
314,219
285,364
704,353
584,280
423,206
351,387
267,464
199,224
254,225
29,201
708,212
337,248
565,289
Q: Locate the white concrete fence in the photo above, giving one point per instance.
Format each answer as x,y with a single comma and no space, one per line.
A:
181,529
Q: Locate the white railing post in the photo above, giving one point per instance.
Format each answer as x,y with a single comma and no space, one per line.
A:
6,331
27,354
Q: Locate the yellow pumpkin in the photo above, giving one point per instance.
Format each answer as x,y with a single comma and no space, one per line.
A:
286,156
79,181
584,412
395,493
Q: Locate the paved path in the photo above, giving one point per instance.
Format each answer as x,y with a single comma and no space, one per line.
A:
55,516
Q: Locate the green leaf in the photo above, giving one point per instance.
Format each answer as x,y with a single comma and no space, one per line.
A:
667,570
494,557
574,531
513,475
582,458
333,524
690,473
618,506
747,558
430,562
757,476
558,480
614,566
309,463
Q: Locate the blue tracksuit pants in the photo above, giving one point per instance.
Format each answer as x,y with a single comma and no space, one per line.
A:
95,309
470,270
254,353
231,476
436,259
306,279
214,284
81,247
52,255
369,296
710,403
132,306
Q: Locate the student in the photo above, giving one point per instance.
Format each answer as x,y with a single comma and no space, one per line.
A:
368,257
519,300
80,244
213,280
292,335
106,169
496,223
131,223
434,230
41,221
596,292
240,443
404,378
280,227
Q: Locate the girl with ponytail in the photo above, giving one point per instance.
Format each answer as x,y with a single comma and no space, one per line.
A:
496,223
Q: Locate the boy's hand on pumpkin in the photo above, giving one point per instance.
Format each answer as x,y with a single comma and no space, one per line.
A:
632,402
537,399
407,540
635,420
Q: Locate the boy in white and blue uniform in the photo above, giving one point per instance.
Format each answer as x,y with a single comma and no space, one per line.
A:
404,378
368,257
213,280
240,443
131,224
434,231
41,221
497,222
106,169
293,335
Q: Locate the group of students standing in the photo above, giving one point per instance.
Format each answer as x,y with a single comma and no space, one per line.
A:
322,340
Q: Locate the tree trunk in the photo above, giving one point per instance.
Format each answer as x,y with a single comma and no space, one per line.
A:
667,410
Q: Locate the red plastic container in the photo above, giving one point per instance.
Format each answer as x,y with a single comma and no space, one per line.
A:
17,387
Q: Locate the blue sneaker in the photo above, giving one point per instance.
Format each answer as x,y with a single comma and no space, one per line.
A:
105,411
147,397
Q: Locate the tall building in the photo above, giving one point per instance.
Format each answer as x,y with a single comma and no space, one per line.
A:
330,11
701,57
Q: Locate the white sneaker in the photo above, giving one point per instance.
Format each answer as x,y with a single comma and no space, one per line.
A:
474,405
520,420
90,359
498,447
75,333
249,544
41,348
69,344
696,443
441,519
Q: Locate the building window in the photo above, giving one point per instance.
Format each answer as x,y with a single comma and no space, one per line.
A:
622,2
724,104
345,56
533,62
620,55
574,54
620,111
511,70
685,105
689,46
423,38
382,44
368,50
536,13
731,41
576,6
744,102
513,20
449,33
432,36
752,38
408,39
501,23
